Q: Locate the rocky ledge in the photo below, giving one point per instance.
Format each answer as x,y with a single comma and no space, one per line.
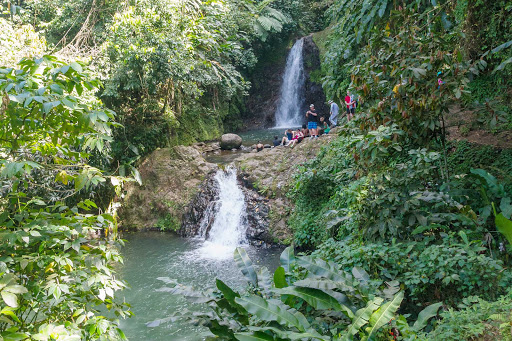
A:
179,190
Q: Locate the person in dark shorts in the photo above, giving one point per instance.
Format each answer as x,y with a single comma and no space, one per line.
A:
276,141
259,146
288,135
312,118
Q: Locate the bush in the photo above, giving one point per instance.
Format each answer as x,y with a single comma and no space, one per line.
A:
431,270
477,319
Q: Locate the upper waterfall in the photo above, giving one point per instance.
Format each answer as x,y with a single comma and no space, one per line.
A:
288,113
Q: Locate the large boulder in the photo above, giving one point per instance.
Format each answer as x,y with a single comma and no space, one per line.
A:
230,141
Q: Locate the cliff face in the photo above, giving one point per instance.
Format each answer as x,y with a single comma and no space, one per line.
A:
314,93
264,94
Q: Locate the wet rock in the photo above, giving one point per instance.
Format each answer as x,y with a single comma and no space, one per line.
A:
267,146
230,141
196,217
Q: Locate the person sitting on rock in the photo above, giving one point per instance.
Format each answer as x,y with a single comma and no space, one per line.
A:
288,135
297,137
259,146
276,141
323,127
305,130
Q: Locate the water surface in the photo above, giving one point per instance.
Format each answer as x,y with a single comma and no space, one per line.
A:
149,255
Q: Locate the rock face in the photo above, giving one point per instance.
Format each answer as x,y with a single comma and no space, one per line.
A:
270,172
314,93
200,208
171,178
230,141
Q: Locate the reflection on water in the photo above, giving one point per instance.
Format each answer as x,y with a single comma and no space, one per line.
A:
149,255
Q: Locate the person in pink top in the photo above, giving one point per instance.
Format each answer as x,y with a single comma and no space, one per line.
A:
350,103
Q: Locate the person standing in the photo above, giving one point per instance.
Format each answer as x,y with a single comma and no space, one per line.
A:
312,118
335,111
349,103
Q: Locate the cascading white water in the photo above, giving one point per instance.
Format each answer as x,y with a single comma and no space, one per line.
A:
229,221
288,112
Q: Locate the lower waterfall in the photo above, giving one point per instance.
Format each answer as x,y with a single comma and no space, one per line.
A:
229,218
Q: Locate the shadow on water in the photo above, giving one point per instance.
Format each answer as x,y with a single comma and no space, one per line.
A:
149,255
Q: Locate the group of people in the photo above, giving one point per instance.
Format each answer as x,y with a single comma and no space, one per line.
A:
316,124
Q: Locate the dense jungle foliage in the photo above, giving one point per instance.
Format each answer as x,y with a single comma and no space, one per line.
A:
407,234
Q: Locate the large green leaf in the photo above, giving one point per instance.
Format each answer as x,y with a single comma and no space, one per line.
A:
384,314
321,268
287,258
316,298
425,315
362,317
245,265
280,278
268,311
504,226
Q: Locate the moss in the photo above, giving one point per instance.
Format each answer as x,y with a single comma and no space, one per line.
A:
321,39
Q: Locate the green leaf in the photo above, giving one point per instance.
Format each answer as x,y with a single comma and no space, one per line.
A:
425,315
264,280
136,175
321,268
75,66
56,88
228,293
504,226
502,47
10,299
316,298
287,258
362,317
244,263
14,336
16,289
280,278
267,311
384,314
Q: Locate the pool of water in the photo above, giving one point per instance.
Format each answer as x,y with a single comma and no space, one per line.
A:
266,136
149,255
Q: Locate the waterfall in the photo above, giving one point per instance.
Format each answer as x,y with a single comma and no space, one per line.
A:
229,218
288,112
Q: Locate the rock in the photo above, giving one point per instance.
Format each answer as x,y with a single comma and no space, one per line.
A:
230,141
171,177
267,146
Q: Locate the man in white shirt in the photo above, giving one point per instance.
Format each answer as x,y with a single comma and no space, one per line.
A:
335,110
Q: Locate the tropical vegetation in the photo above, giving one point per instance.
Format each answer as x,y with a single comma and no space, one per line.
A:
403,233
